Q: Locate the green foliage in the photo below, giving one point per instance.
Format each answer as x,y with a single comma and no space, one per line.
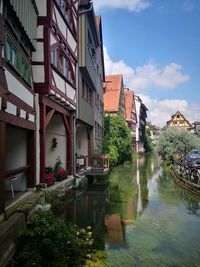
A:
117,140
50,242
175,141
148,145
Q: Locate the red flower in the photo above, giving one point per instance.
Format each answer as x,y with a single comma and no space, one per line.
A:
62,173
49,177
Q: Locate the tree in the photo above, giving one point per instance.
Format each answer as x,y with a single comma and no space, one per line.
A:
148,145
117,140
176,141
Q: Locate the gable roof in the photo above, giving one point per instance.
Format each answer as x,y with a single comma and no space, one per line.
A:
129,104
178,113
113,85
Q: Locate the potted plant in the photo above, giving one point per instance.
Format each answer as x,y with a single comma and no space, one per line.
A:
49,177
59,172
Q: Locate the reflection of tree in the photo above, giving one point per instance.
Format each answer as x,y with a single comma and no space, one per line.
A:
191,202
166,188
89,209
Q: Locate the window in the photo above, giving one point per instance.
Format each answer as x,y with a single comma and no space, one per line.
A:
64,9
12,55
91,47
26,71
17,61
87,93
62,64
54,57
18,30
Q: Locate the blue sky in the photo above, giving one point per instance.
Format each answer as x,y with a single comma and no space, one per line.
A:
155,44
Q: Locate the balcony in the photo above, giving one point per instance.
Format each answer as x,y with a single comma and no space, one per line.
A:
99,165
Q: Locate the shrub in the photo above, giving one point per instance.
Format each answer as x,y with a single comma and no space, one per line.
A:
117,140
175,141
50,242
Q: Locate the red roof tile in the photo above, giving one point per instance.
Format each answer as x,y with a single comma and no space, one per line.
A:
113,85
129,97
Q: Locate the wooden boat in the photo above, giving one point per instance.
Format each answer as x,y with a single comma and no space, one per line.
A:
193,187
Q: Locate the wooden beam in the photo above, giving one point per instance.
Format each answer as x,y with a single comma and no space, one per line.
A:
54,105
17,171
2,165
31,158
69,147
16,121
42,141
48,117
66,123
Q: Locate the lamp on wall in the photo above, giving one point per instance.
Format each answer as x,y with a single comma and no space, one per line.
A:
54,143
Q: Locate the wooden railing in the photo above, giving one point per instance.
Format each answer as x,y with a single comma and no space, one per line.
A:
81,163
17,171
100,163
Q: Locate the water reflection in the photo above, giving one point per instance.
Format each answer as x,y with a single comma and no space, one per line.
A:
132,215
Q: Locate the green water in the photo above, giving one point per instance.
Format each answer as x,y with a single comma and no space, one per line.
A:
140,217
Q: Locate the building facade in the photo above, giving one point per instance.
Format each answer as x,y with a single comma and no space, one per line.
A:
178,120
54,65
131,116
90,84
141,111
18,26
114,100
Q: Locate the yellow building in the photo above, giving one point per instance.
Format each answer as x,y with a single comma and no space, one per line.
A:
180,121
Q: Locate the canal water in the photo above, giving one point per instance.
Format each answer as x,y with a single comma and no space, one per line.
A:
140,217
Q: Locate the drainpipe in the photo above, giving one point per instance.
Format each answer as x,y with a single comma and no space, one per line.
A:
74,143
86,10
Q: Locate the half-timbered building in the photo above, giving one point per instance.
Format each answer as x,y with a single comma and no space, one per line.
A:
18,25
131,117
178,120
141,111
54,74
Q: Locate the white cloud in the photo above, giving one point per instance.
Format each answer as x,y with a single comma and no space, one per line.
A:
160,111
148,76
132,5
152,75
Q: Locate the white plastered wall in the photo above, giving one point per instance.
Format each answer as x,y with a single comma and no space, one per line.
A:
81,141
16,155
56,129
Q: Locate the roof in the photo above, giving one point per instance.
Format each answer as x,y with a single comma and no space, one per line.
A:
113,85
180,114
129,97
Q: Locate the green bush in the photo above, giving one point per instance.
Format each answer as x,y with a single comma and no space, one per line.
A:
148,145
174,141
50,242
117,140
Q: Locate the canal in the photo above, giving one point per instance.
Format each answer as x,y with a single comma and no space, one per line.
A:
140,217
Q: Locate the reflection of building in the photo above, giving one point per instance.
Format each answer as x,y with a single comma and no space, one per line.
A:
178,120
114,102
115,235
131,117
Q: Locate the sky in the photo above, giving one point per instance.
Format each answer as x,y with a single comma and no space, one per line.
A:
155,44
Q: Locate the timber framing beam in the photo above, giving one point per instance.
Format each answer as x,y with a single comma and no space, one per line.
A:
2,165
